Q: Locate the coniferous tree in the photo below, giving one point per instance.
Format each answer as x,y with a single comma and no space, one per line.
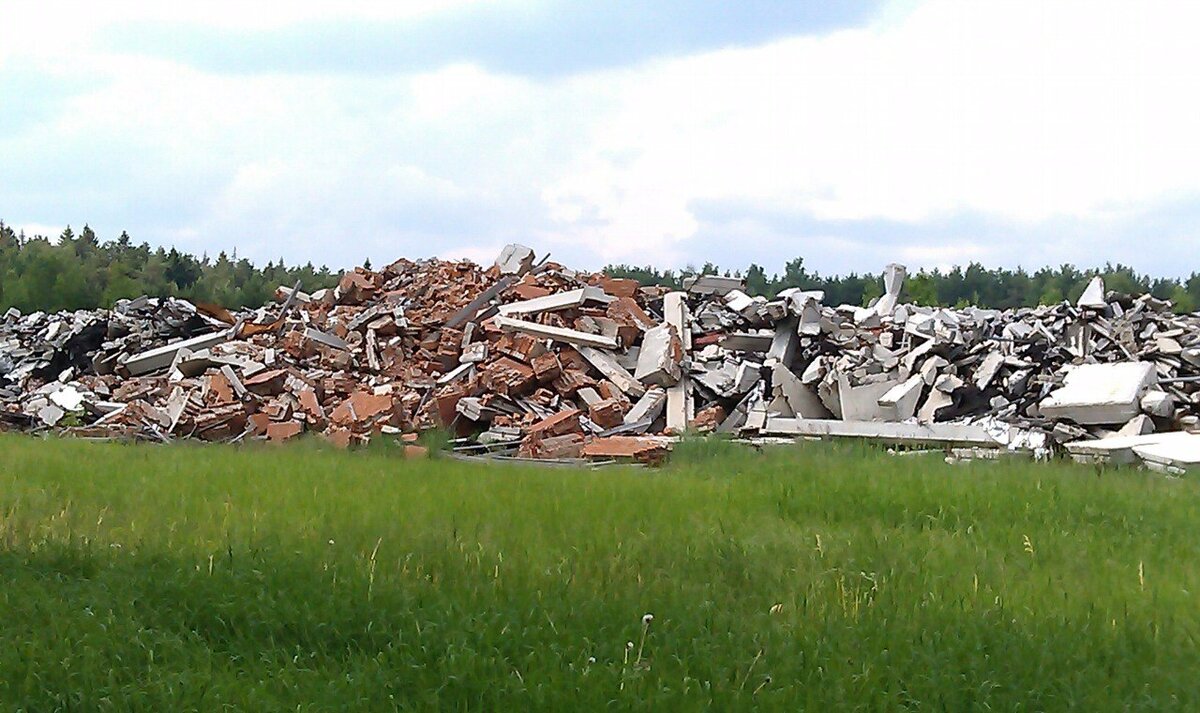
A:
80,271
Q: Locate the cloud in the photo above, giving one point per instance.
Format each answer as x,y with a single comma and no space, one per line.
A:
1021,113
546,38
1009,132
31,230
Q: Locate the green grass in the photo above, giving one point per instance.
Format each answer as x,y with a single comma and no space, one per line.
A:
816,577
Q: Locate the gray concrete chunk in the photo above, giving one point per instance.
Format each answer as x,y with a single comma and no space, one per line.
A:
515,259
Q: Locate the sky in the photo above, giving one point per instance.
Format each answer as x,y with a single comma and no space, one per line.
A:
853,134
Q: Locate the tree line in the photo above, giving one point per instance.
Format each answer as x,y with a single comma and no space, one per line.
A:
998,288
80,272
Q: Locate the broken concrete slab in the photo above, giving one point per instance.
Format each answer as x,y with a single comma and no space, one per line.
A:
861,403
680,407
893,281
329,340
724,378
957,433
649,407
50,414
68,398
161,358
785,343
515,259
747,341
1138,426
660,357
712,285
614,372
1093,294
1099,394
899,403
801,399
1116,450
987,369
1158,403
558,334
1176,456
556,302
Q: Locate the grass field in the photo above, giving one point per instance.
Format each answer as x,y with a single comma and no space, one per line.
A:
816,577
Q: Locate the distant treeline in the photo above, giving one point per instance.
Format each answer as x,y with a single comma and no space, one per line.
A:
80,272
973,285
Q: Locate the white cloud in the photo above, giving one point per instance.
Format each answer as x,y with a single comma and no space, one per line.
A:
1020,111
479,254
42,229
232,14
60,33
943,257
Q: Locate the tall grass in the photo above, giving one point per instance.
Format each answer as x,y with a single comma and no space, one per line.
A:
813,577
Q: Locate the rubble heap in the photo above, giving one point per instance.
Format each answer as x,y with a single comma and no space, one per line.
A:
538,361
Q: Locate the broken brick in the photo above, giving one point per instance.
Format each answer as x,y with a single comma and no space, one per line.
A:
606,413
557,425
284,431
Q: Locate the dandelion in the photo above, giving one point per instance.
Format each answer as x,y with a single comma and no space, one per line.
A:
625,663
331,542
646,619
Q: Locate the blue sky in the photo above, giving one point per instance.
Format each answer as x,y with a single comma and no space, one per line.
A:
931,132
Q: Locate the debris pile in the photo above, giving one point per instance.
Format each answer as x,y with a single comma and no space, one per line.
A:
529,359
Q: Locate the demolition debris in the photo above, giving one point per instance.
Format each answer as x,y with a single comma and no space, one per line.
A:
531,360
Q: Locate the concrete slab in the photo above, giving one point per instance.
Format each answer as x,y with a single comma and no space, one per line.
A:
861,403
1093,294
660,356
958,433
1101,394
1118,449
1176,456
899,403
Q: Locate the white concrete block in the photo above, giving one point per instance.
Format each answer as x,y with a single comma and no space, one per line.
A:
1098,394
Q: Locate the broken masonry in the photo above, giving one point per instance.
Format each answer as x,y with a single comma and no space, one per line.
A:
529,359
